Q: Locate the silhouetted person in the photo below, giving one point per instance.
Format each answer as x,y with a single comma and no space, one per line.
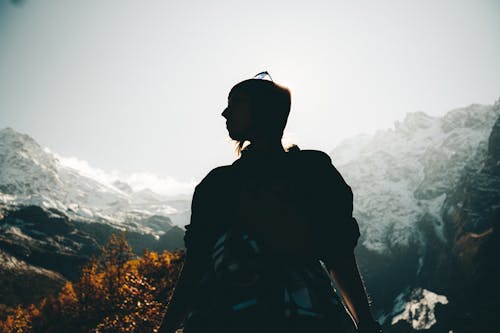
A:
267,232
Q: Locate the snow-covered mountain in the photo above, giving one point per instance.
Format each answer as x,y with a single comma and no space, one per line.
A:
401,175
32,175
427,199
54,217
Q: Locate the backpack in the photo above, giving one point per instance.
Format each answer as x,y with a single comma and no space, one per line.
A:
244,287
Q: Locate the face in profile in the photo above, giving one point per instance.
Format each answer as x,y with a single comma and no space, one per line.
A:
238,116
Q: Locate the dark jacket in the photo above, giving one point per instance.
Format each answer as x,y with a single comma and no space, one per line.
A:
302,183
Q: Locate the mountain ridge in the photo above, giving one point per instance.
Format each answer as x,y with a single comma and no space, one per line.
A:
32,175
405,165
418,188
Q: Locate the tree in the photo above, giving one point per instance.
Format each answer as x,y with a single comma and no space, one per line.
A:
116,292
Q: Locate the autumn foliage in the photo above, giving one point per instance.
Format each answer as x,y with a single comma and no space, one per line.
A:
116,292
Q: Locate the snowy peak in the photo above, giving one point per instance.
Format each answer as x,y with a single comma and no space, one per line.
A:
413,166
415,121
31,175
474,116
21,146
25,168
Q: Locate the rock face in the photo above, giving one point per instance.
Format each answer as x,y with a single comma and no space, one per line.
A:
472,216
53,218
43,244
426,197
23,283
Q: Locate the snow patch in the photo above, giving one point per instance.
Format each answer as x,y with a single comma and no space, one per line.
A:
417,308
15,232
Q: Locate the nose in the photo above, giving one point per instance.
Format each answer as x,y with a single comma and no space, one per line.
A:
224,113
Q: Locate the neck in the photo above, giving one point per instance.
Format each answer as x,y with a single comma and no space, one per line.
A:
267,146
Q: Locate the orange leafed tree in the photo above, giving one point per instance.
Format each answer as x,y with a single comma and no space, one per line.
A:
116,292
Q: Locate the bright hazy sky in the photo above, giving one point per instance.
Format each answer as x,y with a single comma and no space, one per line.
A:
140,85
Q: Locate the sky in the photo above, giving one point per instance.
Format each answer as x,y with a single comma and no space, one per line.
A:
139,86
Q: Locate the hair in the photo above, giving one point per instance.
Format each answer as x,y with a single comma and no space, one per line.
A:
270,106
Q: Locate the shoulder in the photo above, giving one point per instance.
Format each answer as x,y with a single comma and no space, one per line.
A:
210,189
217,173
320,165
215,177
317,156
313,159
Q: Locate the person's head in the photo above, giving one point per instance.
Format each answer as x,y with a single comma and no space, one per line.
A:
257,109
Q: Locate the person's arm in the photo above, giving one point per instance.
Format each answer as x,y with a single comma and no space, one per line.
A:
335,195
348,280
179,302
178,306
